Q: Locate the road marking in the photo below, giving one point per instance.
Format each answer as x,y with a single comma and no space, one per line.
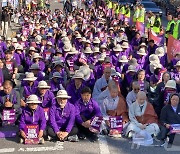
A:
103,145
58,146
7,150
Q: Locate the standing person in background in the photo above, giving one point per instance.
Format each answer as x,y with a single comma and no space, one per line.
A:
68,6
176,28
5,20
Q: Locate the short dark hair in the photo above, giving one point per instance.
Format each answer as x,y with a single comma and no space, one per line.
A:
8,52
86,90
11,48
173,94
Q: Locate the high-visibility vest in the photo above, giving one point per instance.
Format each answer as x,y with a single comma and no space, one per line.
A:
136,14
176,30
109,5
122,10
114,6
151,22
141,15
155,28
117,9
169,26
127,13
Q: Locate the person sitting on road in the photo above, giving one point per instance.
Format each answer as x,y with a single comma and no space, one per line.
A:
87,109
32,114
62,119
142,117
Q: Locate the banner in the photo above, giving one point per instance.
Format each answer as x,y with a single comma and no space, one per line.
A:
158,39
31,132
173,47
96,124
140,27
116,125
9,117
175,128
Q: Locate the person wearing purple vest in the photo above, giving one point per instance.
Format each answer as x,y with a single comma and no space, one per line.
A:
45,95
29,85
32,114
62,119
86,109
75,86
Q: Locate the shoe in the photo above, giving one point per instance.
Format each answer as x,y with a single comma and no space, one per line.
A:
49,138
94,138
156,139
41,140
81,136
104,132
73,138
21,140
130,134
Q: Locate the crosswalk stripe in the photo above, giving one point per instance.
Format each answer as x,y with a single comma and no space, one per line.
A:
7,150
103,145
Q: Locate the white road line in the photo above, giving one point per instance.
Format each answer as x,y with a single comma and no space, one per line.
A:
7,150
103,145
58,146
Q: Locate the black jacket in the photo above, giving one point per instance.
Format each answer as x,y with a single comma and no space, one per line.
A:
168,115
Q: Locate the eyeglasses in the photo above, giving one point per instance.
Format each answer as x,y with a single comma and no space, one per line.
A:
136,89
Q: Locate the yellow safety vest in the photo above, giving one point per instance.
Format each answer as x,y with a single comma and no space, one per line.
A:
136,14
176,30
109,5
151,22
127,12
155,28
168,27
122,10
141,15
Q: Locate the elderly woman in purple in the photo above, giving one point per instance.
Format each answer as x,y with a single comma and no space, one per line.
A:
37,72
141,57
32,114
75,86
136,41
56,83
121,63
29,85
176,73
116,54
160,52
62,119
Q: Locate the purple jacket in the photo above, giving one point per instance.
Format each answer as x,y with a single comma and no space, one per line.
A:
29,117
3,46
29,90
1,77
62,119
47,99
73,92
151,50
90,110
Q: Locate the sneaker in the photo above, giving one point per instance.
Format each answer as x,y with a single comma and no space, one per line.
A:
41,140
73,138
130,134
21,140
94,138
49,138
81,136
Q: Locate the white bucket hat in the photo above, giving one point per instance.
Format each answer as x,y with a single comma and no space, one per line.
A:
33,99
123,59
160,51
177,64
142,51
125,45
96,50
96,40
78,75
43,85
67,47
103,46
36,55
78,36
153,58
34,67
154,65
73,51
118,48
131,68
102,57
88,41
14,40
49,34
8,39
171,84
88,50
83,39
49,43
143,45
19,47
32,49
63,34
62,94
30,77
86,71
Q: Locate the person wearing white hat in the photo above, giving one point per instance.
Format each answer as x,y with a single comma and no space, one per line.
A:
56,82
37,72
29,85
121,64
75,86
96,41
116,54
170,88
45,95
176,73
141,58
37,59
73,51
8,42
62,127
32,114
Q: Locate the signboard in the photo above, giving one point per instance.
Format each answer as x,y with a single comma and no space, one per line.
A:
116,125
32,132
96,124
9,117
